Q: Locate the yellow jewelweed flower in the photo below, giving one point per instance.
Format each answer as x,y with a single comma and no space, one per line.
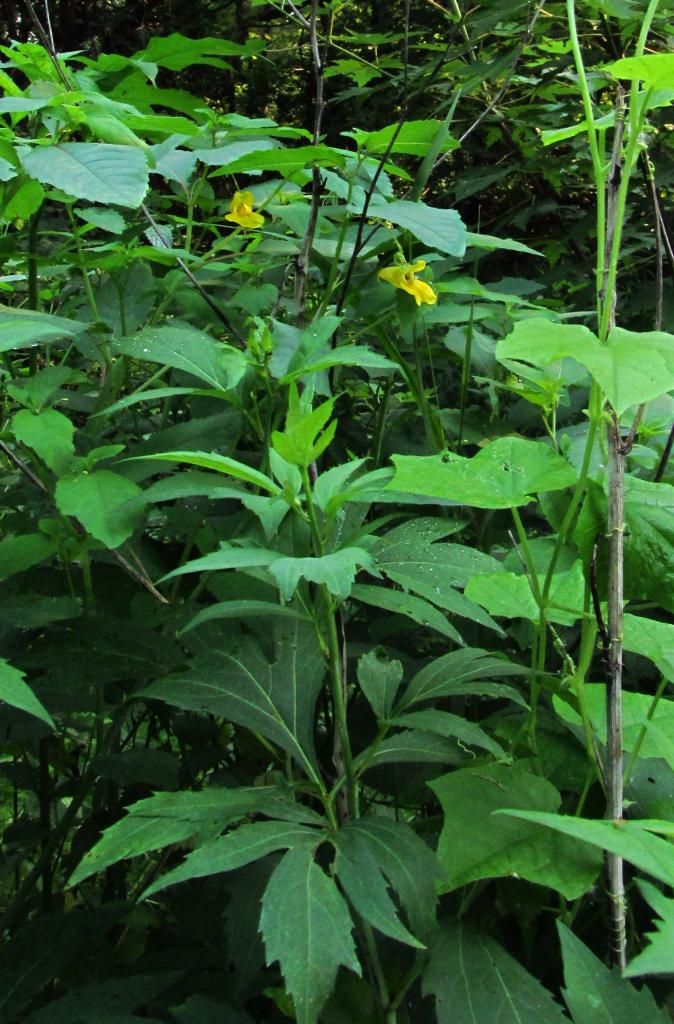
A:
241,211
403,277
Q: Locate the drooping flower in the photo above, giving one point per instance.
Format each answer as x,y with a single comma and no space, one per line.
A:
241,211
402,276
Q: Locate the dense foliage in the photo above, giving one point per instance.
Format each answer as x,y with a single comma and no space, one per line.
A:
338,515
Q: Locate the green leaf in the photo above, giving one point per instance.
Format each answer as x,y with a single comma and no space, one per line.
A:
595,994
110,1001
103,502
492,242
93,171
474,981
456,673
413,137
245,844
242,610
632,367
15,692
360,876
628,839
218,463
439,229
652,639
468,854
186,348
336,570
23,551
306,927
275,698
379,680
443,723
20,328
649,540
222,156
409,865
504,474
412,607
168,818
176,52
655,70
509,595
411,746
226,558
657,957
286,162
22,199
106,220
50,435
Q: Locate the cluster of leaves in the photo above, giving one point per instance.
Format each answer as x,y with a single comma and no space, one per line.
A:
303,563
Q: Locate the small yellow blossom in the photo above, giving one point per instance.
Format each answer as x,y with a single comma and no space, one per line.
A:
241,211
403,277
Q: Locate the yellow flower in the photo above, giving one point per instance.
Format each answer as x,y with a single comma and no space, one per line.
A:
241,211
403,277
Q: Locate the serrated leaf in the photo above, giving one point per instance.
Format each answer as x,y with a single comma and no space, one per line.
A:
17,694
506,473
361,878
226,558
284,161
509,595
186,348
274,698
595,994
167,818
467,854
22,552
379,680
94,171
655,70
306,927
245,844
474,980
413,137
444,723
220,464
242,610
49,433
455,673
658,956
410,746
412,607
103,502
336,571
21,328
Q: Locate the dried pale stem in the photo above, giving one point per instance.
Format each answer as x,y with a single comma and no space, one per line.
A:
319,106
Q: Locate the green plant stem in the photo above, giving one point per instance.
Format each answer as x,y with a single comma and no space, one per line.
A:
405,985
342,755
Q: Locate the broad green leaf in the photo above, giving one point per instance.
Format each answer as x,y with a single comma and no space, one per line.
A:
658,956
360,876
443,723
106,220
284,161
412,607
633,367
651,638
23,551
480,241
226,558
25,198
344,355
332,482
504,474
337,571
94,171
222,156
245,844
110,1001
49,433
21,328
638,716
509,595
655,70
168,818
17,694
103,502
408,863
220,464
176,52
306,927
301,443
410,746
439,229
649,540
628,839
474,980
156,395
468,854
379,680
457,673
595,994
186,348
414,138
275,698
242,610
